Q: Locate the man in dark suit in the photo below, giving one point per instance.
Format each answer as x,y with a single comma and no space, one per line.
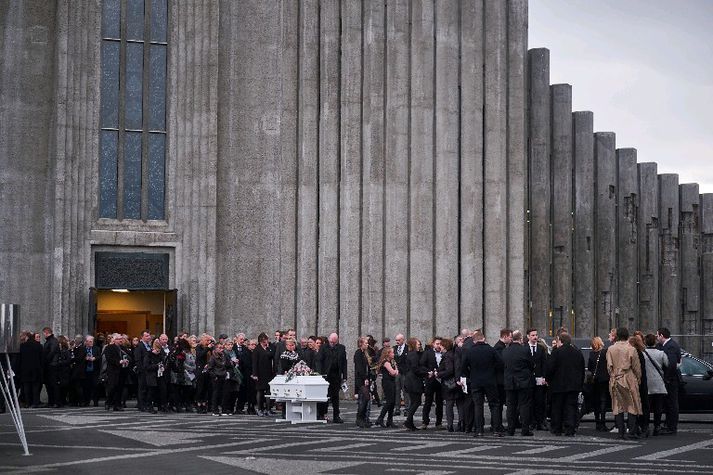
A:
430,360
500,345
538,353
331,362
115,362
565,376
50,353
29,368
672,378
400,354
140,352
481,363
518,381
87,363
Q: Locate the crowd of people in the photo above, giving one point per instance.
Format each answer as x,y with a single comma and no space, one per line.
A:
635,375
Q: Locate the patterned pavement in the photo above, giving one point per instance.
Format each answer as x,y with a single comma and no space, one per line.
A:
91,440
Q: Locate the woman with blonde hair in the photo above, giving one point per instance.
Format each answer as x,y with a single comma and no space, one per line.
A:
388,369
599,380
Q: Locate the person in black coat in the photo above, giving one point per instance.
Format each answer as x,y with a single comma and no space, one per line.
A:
672,378
154,368
518,381
87,362
500,345
331,362
362,381
414,373
63,371
597,365
140,352
400,353
539,355
116,360
262,373
481,362
50,352
447,374
30,369
430,360
565,376
464,401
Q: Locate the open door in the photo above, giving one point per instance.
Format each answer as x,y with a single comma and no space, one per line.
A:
170,313
92,311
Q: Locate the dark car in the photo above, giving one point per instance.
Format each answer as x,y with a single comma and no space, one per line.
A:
696,392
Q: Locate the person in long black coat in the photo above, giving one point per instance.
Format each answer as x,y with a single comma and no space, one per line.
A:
30,369
447,372
115,361
481,363
565,377
331,362
597,364
362,382
414,373
432,387
518,381
672,378
50,352
500,345
539,356
87,363
262,373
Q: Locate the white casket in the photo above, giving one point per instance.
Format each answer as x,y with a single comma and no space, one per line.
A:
300,395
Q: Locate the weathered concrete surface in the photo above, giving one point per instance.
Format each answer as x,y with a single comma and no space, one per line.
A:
471,167
373,169
584,244
605,231
649,253
670,269
495,167
562,209
27,45
540,202
447,146
707,267
627,237
689,243
517,162
396,265
421,239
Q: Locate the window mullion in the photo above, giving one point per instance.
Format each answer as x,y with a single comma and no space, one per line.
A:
122,107
145,91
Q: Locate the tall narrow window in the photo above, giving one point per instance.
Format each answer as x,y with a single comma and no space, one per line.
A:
132,151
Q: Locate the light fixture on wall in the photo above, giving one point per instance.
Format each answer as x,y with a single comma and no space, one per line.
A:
120,290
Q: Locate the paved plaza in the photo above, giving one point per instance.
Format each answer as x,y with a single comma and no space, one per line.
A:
91,440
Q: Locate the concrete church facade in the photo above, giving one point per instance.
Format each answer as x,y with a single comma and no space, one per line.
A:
352,166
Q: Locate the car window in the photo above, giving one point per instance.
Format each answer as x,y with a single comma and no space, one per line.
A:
690,366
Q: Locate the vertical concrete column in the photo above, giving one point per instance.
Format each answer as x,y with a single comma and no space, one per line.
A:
495,167
605,231
471,165
422,165
249,145
562,205
34,119
707,269
584,250
649,254
517,162
670,270
539,177
447,148
689,245
627,237
350,191
308,113
397,276
373,89
328,254
289,53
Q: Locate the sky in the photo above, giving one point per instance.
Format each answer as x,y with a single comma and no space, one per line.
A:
644,68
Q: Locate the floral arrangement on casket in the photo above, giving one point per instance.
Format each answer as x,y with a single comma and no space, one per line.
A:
299,369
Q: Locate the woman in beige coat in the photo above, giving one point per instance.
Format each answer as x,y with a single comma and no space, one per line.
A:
624,377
